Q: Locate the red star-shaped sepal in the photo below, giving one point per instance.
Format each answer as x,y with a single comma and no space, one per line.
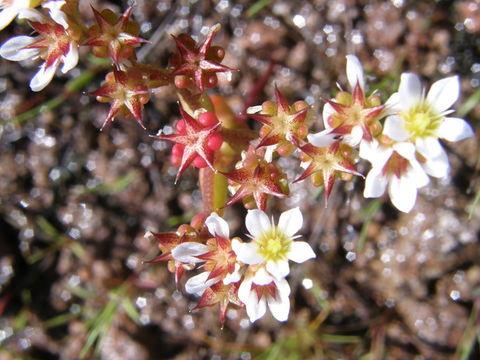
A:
198,63
128,90
282,123
220,294
112,36
194,140
326,162
355,109
167,241
54,41
220,259
257,178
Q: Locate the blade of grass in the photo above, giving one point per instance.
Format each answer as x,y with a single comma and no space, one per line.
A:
469,337
474,205
469,104
113,187
340,339
100,325
130,310
253,10
59,320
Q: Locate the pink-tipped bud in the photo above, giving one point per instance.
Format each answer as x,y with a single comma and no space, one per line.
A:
211,81
180,126
215,141
175,160
199,162
285,149
177,150
207,118
182,81
198,221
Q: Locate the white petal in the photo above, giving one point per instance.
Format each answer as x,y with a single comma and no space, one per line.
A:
234,277
406,149
55,13
455,129
32,15
248,253
444,93
71,59
262,277
7,15
375,183
328,111
279,307
43,77
403,193
323,138
417,175
291,221
410,90
245,288
392,106
257,222
438,166
186,252
368,149
279,269
429,147
355,72
255,308
355,136
394,128
198,284
300,251
13,49
282,287
217,226
377,155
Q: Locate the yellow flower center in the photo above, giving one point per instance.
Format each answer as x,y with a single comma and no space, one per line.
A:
274,244
422,120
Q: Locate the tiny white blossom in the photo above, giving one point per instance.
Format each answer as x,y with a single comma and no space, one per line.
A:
423,119
397,168
54,44
272,292
190,253
273,245
350,117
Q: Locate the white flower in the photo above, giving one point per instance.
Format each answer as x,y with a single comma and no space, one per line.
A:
11,8
54,44
221,257
423,119
273,245
273,292
349,117
396,167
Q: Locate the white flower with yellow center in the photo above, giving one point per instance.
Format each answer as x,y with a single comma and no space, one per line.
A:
273,245
423,119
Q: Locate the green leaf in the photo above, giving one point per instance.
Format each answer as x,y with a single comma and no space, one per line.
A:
253,10
130,309
469,104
